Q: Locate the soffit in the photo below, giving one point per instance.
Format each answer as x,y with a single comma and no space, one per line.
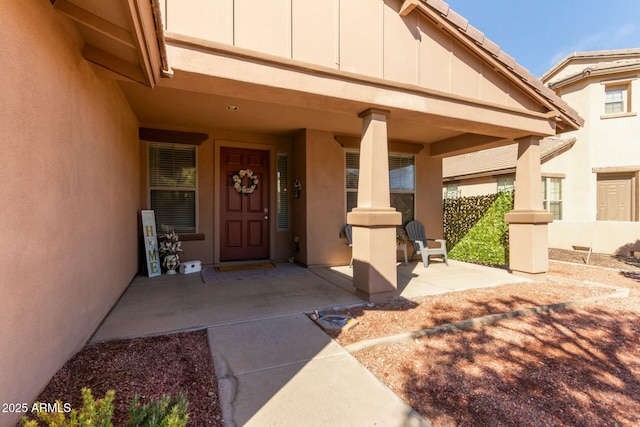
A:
118,35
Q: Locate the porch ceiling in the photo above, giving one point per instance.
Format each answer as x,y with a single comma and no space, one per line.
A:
122,36
187,110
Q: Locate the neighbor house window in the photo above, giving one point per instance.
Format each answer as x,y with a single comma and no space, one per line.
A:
552,196
451,191
172,185
505,183
401,183
614,100
617,98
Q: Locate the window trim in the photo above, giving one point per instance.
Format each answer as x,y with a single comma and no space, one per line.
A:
625,85
546,195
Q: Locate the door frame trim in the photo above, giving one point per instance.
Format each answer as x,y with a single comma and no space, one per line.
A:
218,143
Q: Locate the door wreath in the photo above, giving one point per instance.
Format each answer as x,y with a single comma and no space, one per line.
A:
239,178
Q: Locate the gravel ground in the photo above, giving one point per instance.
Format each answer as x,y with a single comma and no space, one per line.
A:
150,367
576,366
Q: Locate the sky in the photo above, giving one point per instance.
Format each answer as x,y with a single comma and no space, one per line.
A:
539,33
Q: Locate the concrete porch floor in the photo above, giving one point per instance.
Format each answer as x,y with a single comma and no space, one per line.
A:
164,304
274,366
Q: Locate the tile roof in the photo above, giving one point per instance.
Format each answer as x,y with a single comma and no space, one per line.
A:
497,160
597,54
620,65
494,50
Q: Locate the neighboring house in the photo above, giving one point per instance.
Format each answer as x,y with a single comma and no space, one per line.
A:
590,176
111,107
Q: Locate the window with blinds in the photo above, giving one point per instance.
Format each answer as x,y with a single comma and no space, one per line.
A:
282,201
614,100
172,185
401,182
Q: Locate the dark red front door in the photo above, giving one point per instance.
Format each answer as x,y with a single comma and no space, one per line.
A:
244,218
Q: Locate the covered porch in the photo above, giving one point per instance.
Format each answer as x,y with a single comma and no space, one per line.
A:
164,304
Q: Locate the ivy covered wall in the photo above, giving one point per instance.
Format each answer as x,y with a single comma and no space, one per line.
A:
475,229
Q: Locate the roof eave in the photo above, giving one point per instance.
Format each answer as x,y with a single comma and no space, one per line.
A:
474,39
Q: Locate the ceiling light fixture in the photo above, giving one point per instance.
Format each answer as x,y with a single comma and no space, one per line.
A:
233,107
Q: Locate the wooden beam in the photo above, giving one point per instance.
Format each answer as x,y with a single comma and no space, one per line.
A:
394,146
144,33
407,7
113,63
466,143
172,136
88,19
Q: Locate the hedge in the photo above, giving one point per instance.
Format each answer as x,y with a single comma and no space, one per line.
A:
475,229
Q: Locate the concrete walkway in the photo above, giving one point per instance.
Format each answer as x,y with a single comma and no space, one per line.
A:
286,371
275,367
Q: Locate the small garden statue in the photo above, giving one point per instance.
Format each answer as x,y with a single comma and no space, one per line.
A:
170,247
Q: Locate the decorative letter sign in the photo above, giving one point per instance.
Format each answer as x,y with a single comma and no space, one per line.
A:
150,243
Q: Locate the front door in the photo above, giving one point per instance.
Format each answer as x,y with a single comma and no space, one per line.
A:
244,204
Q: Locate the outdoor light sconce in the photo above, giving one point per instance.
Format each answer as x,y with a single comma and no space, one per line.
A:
297,189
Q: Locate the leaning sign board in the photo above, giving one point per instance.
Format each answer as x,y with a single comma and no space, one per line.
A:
150,243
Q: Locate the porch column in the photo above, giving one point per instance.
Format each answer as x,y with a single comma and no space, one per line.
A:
528,222
374,220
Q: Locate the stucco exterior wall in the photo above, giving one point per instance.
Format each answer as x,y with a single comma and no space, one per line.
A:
69,198
429,193
207,224
476,186
366,37
607,237
603,142
325,200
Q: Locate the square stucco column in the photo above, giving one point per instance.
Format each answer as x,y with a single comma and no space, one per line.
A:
528,222
374,221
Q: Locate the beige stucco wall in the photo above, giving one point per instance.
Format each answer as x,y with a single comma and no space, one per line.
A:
429,193
323,190
476,186
366,37
608,237
602,143
69,199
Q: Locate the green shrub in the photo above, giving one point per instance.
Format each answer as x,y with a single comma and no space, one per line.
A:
94,413
475,228
164,412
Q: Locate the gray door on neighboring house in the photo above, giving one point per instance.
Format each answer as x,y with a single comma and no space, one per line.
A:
614,197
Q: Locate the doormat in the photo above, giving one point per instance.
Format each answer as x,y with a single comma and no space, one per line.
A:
224,268
210,275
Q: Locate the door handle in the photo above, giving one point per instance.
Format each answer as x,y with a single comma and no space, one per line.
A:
266,217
